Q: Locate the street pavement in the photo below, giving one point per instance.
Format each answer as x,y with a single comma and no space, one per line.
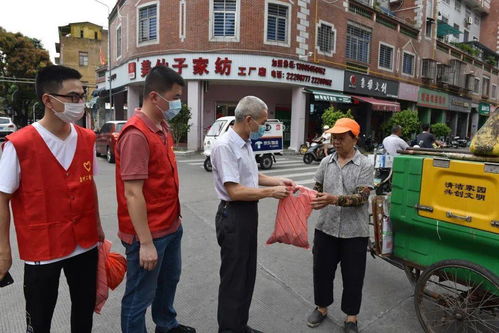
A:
283,295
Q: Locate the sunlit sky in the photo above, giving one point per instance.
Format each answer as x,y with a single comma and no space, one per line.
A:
40,18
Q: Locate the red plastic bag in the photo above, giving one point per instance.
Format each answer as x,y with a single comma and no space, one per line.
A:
111,269
291,220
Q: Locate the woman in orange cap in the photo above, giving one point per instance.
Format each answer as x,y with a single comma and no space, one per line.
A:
344,180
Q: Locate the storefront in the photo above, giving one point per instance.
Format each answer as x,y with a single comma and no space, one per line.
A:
483,113
216,82
458,115
432,106
371,104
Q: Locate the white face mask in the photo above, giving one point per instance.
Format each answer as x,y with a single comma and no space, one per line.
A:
72,111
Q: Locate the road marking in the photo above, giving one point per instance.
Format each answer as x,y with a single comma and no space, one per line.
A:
297,174
189,161
287,169
304,182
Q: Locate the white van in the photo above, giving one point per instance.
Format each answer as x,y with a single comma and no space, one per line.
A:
264,148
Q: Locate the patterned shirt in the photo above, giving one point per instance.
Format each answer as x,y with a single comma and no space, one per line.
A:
351,220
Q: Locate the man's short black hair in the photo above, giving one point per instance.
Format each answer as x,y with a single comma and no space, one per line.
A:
50,78
425,127
161,79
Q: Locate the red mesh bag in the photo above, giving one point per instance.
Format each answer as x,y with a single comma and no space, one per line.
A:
292,217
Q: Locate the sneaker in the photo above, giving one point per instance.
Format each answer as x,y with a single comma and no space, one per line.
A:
179,329
252,330
350,327
315,318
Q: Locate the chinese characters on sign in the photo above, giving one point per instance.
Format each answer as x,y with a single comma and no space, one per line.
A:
370,85
433,99
465,191
278,69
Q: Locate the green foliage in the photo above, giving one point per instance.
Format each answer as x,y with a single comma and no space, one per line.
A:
491,60
467,48
409,121
440,130
331,115
180,125
20,57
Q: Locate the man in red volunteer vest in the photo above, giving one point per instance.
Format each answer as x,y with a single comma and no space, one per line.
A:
46,173
149,208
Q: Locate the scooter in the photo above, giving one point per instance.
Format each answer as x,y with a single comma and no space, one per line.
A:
316,153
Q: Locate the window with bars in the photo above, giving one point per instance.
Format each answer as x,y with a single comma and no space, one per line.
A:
83,58
224,18
408,64
325,38
385,57
485,86
476,86
148,20
476,19
358,43
277,23
457,6
447,1
118,42
494,91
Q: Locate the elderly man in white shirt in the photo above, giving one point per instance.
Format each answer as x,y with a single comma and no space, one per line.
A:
236,182
393,142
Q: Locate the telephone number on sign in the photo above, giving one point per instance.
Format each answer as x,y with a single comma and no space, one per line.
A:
308,78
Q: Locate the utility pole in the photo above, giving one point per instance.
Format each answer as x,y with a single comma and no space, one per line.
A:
109,58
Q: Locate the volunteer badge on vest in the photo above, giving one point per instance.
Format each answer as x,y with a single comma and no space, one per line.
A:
88,167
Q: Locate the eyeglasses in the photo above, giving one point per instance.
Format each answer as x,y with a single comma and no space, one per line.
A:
75,98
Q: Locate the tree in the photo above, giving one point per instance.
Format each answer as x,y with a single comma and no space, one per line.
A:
331,115
20,57
180,124
440,130
409,121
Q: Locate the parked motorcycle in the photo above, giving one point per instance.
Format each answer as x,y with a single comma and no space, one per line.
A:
458,142
316,153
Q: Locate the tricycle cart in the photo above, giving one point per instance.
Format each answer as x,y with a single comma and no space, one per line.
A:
265,148
440,223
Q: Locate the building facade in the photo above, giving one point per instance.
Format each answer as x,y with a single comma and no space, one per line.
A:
301,57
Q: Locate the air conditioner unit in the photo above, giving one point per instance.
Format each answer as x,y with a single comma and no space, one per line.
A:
468,20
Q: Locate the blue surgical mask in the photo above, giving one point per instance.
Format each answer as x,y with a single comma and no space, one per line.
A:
175,107
259,133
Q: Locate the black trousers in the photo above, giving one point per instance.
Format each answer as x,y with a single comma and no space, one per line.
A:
236,226
351,253
41,285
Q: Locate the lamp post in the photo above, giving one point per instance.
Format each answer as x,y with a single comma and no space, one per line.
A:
109,56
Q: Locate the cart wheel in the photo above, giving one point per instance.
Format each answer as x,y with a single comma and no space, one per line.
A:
266,162
412,274
457,296
207,164
308,158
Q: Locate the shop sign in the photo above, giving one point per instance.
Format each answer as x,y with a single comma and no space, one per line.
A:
240,67
369,85
132,69
484,109
459,104
433,99
408,92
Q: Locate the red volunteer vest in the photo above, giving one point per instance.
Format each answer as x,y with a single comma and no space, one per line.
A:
54,209
160,188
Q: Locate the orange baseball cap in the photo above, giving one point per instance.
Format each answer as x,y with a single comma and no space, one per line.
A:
344,125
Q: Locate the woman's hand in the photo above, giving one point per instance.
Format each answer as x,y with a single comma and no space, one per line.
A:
324,199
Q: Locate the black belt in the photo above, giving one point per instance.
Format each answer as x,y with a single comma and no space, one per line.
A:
238,203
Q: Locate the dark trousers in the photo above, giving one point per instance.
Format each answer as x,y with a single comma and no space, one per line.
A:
41,285
328,251
236,226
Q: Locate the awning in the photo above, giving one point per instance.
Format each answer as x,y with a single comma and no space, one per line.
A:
444,29
379,104
329,96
